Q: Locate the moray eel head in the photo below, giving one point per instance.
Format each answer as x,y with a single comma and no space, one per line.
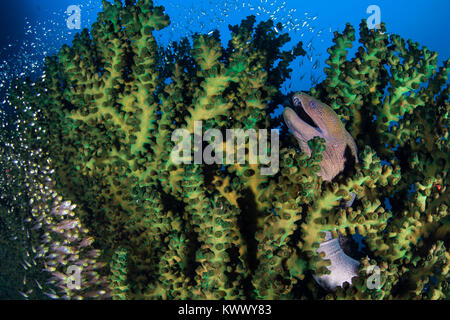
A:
316,119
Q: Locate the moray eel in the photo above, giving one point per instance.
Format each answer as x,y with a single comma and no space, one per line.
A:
315,118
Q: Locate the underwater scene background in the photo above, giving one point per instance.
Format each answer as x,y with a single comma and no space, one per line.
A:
94,204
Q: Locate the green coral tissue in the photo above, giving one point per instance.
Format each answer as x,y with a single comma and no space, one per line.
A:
91,194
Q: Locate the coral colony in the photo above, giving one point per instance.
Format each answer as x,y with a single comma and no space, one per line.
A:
94,207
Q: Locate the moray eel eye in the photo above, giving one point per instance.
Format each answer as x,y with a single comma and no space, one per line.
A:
312,104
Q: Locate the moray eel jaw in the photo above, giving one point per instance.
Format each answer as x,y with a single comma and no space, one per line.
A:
307,124
300,129
316,119
310,119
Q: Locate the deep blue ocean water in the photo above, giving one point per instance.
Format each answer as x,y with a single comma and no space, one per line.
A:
31,29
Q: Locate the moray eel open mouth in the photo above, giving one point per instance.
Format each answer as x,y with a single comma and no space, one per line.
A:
301,122
302,114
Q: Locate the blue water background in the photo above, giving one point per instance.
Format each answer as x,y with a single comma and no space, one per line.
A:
424,21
